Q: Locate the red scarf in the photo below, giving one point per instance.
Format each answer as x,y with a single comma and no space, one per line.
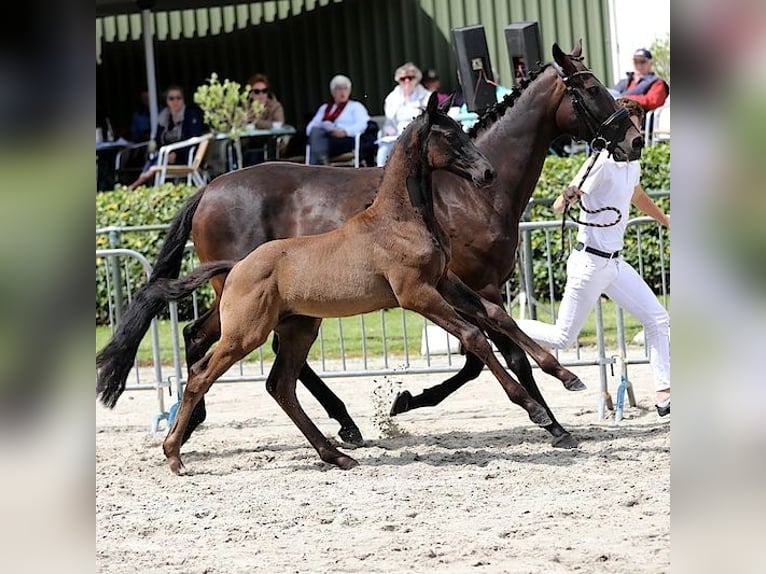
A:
336,111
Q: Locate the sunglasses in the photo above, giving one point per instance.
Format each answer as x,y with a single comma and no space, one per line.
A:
403,78
175,97
256,91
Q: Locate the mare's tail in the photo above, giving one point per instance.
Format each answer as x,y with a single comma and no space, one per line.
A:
116,359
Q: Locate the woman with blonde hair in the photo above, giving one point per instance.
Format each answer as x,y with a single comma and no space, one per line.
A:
405,102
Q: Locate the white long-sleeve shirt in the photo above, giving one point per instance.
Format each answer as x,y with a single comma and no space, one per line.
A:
353,119
400,111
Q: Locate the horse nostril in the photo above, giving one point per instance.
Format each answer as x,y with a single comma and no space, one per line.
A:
489,175
638,143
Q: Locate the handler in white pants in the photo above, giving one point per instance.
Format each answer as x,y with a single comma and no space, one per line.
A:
595,267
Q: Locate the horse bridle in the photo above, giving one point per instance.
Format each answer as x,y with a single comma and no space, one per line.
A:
606,134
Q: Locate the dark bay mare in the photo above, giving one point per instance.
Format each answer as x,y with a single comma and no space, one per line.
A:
241,210
394,253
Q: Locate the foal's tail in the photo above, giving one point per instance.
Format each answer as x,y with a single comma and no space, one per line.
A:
118,356
116,359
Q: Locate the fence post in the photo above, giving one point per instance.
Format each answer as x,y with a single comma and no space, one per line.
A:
529,276
114,264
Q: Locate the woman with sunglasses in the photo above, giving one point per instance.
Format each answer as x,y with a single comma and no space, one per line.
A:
272,110
271,116
405,102
176,122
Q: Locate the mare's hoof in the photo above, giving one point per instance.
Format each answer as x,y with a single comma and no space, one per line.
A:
176,466
351,435
401,403
540,417
574,385
345,462
565,440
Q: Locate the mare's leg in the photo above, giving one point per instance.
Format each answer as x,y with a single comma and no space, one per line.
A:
427,301
335,407
199,336
490,316
301,333
432,396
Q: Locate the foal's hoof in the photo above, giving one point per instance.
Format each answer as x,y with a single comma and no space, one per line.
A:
345,462
574,385
565,440
176,465
351,435
540,417
401,403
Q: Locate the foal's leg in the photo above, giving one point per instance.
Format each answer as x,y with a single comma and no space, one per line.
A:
491,316
427,301
516,360
335,407
301,333
233,347
199,336
519,363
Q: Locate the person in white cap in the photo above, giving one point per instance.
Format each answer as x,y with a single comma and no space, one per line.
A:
643,85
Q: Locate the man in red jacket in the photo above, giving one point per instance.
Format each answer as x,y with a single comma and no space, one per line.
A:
643,85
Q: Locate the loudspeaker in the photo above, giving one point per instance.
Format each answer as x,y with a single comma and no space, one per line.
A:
474,67
524,52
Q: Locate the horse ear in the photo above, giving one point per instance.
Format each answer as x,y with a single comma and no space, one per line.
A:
433,104
562,59
447,104
577,52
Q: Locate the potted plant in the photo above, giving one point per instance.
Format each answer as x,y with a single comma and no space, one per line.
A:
228,108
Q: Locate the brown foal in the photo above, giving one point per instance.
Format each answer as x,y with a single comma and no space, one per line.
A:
392,254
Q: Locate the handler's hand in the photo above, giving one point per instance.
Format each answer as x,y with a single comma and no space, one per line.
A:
339,133
572,194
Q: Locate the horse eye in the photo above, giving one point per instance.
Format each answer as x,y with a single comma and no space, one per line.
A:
593,90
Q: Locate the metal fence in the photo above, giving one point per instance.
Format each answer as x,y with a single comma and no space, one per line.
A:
391,341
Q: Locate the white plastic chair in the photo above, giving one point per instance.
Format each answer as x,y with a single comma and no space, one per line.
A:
350,158
196,148
353,157
657,125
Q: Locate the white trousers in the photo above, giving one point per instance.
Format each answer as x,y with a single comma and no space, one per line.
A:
588,276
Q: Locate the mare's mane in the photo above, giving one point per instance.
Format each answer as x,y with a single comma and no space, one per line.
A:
496,111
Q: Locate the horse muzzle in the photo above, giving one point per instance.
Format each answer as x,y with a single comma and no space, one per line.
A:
479,172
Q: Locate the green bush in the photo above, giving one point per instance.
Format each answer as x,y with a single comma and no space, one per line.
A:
158,206
143,206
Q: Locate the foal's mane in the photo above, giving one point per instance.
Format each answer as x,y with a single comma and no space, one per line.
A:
496,111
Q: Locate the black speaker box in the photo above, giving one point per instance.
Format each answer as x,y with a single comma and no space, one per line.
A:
524,51
474,67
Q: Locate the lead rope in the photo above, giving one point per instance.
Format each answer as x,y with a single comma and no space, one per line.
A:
593,157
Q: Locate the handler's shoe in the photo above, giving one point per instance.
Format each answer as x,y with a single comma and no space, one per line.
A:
663,410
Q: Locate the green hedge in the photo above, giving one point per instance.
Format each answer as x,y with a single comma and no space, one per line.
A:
143,206
158,206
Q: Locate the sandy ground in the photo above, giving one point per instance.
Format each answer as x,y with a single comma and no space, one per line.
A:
468,486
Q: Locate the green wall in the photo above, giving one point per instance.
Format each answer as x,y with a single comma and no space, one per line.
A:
301,44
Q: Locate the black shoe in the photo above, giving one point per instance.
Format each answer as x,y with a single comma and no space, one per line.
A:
663,411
